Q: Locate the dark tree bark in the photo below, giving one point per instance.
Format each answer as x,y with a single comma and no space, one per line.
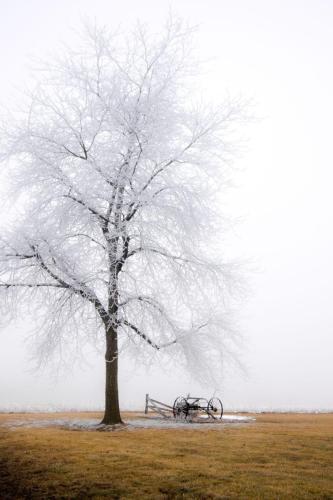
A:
112,412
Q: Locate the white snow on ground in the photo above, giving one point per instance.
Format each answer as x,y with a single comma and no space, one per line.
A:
16,408
143,423
231,418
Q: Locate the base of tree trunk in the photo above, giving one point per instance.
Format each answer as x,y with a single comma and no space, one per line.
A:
112,421
111,427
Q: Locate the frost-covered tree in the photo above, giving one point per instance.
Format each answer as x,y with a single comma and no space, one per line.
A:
117,173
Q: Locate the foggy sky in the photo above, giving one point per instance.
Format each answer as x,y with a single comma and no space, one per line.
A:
278,53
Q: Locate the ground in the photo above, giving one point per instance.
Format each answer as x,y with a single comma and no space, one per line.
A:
277,456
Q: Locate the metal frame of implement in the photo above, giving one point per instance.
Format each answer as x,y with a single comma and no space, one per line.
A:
187,408
163,409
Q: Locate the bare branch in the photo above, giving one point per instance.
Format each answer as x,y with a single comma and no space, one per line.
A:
31,285
145,337
85,205
162,253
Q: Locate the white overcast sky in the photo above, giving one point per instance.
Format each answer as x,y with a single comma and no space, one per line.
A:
279,53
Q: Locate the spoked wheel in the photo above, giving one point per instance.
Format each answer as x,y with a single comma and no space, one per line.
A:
180,408
215,408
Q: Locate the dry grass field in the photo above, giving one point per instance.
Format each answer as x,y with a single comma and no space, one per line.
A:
278,456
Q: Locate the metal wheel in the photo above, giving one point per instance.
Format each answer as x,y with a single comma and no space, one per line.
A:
215,408
180,408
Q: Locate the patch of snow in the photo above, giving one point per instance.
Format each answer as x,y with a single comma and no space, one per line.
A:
138,423
48,408
238,418
228,418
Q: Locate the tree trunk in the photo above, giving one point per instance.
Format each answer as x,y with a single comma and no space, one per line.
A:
112,413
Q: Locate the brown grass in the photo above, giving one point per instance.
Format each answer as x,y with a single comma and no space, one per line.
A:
279,456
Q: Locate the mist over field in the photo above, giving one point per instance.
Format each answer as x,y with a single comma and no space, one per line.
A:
277,55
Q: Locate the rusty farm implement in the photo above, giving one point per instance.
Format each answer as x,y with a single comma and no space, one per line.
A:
187,408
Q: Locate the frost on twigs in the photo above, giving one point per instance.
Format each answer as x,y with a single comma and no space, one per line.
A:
119,174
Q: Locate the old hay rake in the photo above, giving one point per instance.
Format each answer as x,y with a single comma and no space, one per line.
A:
187,408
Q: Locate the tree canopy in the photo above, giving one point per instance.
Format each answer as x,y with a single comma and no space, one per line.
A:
118,171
